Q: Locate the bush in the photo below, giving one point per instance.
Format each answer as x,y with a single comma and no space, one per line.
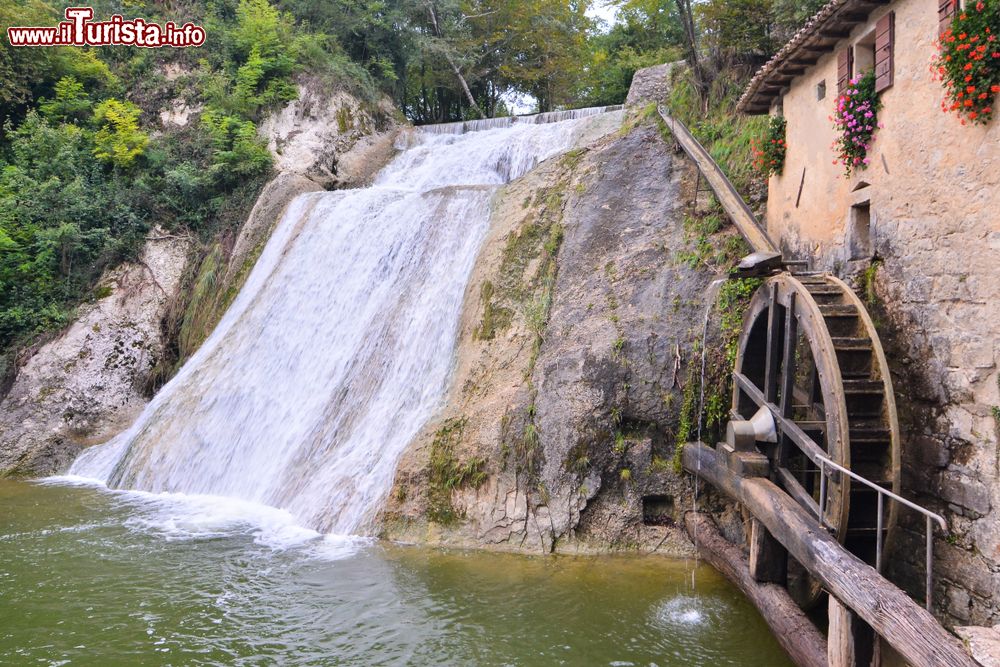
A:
118,139
237,150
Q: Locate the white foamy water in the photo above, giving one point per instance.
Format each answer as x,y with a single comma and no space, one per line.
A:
690,612
336,351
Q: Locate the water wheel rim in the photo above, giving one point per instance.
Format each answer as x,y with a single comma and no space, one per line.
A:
812,324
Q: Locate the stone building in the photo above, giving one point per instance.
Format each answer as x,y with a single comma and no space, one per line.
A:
918,230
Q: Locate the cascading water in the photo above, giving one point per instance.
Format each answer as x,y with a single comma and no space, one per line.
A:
339,346
482,124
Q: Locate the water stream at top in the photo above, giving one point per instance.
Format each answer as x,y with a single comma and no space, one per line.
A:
340,345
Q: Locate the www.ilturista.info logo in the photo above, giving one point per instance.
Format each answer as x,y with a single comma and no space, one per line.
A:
79,30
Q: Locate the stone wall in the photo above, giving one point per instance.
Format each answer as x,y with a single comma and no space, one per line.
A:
929,262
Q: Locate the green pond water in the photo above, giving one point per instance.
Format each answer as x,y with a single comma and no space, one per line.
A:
92,577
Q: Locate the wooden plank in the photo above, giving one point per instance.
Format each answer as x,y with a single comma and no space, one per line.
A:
791,484
840,646
803,643
907,626
773,347
788,373
735,207
835,33
851,642
768,559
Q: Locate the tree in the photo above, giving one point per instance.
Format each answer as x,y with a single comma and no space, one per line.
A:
118,139
737,30
71,101
439,33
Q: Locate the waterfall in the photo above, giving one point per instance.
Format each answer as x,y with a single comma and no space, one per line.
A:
340,345
483,124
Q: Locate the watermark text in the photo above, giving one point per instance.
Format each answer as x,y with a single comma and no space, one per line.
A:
79,30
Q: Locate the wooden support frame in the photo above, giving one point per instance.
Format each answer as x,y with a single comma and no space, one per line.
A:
850,641
768,559
909,628
787,426
803,643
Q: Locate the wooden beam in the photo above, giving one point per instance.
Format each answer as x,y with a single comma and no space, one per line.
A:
791,485
731,201
788,374
773,353
907,626
854,17
803,643
768,559
835,33
792,71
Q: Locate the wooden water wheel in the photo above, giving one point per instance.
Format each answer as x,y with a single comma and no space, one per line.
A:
810,355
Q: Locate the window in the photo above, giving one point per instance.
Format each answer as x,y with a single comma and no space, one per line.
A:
859,240
864,54
946,10
874,51
821,90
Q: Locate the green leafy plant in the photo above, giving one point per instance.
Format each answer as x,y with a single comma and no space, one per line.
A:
447,473
118,139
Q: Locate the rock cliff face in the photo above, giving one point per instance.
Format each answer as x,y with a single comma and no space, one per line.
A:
89,383
577,365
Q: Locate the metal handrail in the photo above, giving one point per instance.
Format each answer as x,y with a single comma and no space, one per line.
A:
929,516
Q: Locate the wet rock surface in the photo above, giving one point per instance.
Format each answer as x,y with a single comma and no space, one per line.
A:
333,138
572,365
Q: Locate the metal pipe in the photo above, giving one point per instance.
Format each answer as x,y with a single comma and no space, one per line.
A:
898,498
929,518
822,494
930,563
878,537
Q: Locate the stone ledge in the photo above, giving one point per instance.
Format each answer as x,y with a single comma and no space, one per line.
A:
983,643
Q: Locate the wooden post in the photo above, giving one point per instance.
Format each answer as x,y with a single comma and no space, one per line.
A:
850,641
768,559
906,625
840,635
803,643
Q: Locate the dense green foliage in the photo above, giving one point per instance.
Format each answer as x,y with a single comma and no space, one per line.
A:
83,175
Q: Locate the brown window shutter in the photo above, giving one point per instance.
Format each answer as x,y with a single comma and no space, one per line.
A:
946,10
845,63
885,37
